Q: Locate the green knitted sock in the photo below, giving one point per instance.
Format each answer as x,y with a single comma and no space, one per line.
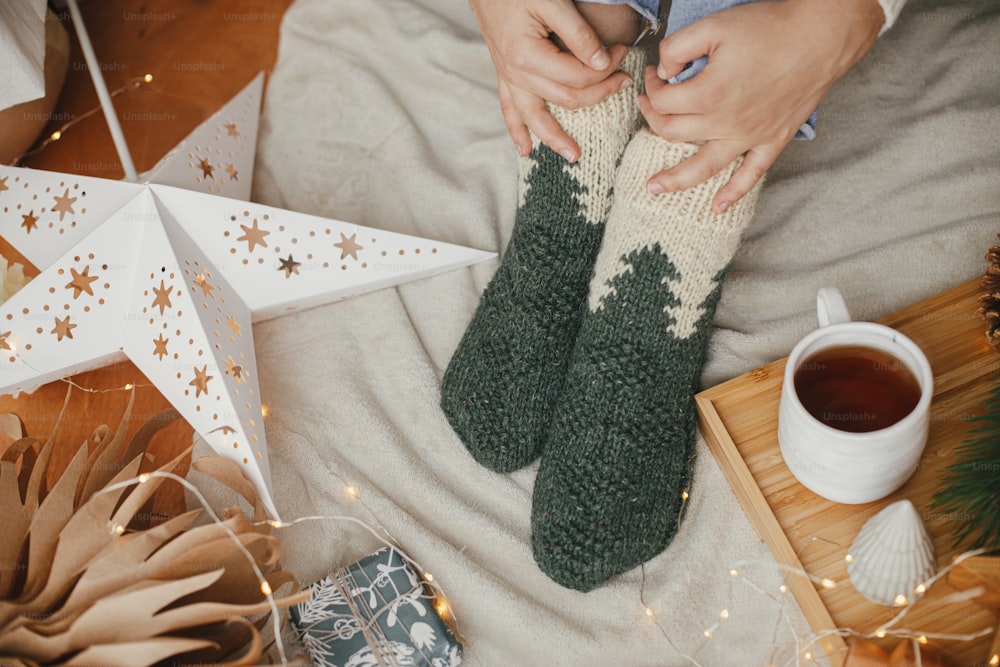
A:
608,495
504,378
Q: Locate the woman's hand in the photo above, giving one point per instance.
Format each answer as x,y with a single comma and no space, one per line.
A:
531,68
770,64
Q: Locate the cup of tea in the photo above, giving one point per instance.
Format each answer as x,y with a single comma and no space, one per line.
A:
855,406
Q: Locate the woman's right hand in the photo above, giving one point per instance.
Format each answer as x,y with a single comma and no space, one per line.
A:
532,70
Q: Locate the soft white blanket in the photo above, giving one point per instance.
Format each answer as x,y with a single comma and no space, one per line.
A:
385,114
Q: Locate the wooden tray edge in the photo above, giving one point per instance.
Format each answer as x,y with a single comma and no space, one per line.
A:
766,524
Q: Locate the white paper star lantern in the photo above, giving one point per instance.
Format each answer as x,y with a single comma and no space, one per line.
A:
171,278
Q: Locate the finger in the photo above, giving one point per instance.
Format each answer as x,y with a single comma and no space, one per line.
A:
539,119
689,43
564,20
706,163
512,118
675,129
756,163
679,98
576,98
544,60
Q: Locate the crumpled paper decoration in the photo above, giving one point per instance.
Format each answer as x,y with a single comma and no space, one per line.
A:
85,580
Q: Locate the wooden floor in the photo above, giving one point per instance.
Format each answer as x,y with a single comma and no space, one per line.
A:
200,53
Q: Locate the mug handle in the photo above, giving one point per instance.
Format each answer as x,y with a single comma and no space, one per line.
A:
830,307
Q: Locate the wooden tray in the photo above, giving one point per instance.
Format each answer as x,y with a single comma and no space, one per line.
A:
804,531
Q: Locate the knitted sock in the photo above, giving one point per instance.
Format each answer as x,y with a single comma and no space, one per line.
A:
503,380
608,495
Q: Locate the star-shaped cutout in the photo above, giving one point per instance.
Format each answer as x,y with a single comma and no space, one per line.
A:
64,328
207,170
289,266
234,325
348,246
202,282
4,345
160,346
64,205
162,296
254,236
231,129
235,370
29,221
231,170
81,282
3,184
200,381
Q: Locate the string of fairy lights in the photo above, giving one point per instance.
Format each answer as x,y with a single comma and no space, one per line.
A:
134,83
806,650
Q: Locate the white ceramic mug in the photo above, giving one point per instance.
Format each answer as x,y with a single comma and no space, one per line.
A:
844,466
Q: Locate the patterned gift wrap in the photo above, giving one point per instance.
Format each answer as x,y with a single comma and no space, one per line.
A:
374,613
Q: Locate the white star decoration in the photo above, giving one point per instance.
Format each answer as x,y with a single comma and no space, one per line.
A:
172,279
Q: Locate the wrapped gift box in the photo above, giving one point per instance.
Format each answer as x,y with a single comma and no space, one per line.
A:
375,612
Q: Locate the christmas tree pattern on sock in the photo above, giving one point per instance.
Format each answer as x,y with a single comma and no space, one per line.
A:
503,380
608,495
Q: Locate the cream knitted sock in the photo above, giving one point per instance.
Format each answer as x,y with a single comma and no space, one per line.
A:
502,382
608,495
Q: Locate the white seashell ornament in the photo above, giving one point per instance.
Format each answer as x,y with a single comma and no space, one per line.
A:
892,555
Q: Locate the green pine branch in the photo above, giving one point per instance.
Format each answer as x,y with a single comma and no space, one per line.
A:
970,488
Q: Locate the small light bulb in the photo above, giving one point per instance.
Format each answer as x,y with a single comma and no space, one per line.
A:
128,387
827,583
920,589
734,573
900,600
922,639
782,589
143,478
441,606
685,495
995,660
276,524
880,633
118,529
849,558
56,136
351,491
429,577
808,656
148,78
708,634
265,588
265,411
649,612
724,614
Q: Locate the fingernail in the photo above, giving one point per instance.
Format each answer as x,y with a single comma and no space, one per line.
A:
568,154
723,206
601,60
626,83
661,72
655,188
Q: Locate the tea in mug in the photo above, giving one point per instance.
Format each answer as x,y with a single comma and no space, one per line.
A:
855,388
